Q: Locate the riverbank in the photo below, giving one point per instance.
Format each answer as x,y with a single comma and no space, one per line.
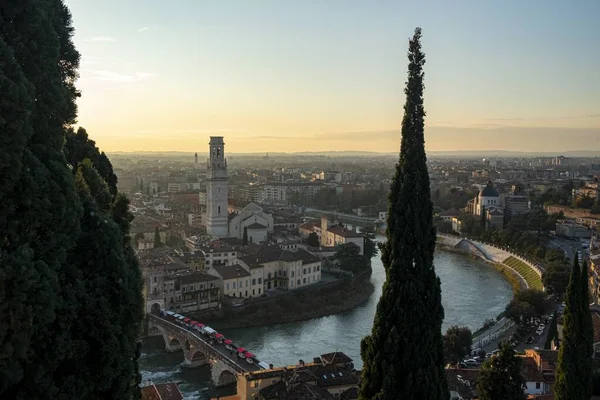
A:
321,301
489,332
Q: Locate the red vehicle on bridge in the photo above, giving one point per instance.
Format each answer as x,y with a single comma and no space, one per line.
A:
249,357
219,337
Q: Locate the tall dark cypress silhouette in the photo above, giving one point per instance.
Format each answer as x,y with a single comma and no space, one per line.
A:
587,334
403,357
568,383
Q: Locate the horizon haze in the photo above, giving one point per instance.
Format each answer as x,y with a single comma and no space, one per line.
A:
299,76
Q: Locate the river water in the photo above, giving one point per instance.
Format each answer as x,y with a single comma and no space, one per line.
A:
471,292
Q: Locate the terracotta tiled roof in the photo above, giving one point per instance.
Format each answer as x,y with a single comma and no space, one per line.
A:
309,226
150,393
161,391
530,371
336,358
343,232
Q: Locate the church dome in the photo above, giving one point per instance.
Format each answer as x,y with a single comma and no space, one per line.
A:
488,191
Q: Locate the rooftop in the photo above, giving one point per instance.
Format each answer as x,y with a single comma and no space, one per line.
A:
231,271
161,391
343,232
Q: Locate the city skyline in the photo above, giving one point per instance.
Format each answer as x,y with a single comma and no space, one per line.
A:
299,77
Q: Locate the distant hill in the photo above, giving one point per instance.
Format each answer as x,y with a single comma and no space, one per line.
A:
457,153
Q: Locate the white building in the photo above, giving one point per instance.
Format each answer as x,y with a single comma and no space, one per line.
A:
216,189
274,267
257,223
235,280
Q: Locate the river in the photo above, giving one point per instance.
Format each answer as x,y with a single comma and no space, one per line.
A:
472,291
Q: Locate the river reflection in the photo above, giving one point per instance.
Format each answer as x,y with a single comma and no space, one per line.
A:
471,292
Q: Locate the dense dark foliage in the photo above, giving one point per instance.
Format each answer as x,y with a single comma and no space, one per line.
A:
457,343
70,288
574,370
500,377
527,305
404,356
313,239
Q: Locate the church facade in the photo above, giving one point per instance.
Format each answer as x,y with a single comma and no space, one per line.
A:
258,224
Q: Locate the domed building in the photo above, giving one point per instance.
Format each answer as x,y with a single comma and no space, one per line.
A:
488,202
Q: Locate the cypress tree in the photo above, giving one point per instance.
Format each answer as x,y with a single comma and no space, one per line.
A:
568,383
157,241
40,208
586,341
70,286
403,356
111,304
245,236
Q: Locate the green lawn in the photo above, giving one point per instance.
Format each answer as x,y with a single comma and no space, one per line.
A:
531,277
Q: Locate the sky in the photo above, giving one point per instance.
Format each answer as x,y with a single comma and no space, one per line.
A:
327,75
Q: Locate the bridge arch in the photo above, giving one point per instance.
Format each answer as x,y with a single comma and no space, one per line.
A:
155,308
226,378
172,343
198,356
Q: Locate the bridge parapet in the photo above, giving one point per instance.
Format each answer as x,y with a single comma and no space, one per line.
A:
197,351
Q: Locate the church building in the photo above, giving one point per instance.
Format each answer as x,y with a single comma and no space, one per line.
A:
256,222
219,223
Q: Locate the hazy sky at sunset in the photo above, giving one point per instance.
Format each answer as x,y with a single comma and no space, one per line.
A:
310,75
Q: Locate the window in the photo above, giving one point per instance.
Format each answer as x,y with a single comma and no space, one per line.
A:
292,274
183,289
309,270
212,284
258,290
155,279
234,285
255,384
246,293
304,280
218,209
537,385
227,285
247,282
298,281
253,282
259,281
304,271
253,292
318,267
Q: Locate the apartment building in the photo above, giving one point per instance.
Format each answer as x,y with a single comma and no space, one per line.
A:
273,267
192,291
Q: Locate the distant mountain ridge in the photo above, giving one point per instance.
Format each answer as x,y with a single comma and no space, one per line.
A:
455,153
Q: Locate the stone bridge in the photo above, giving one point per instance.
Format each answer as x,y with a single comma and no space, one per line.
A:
472,247
197,351
347,218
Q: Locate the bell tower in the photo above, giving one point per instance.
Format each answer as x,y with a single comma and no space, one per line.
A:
217,223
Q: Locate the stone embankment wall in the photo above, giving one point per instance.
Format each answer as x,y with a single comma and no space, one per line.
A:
492,254
487,252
